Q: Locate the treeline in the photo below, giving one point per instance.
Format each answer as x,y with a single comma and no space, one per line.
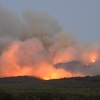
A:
32,88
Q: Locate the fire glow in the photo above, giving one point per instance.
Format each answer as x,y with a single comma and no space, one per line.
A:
34,44
44,69
93,61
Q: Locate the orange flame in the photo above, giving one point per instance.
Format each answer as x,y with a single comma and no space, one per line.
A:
18,61
53,76
93,57
50,72
44,70
93,61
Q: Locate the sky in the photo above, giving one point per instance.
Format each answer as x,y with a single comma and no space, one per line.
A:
81,17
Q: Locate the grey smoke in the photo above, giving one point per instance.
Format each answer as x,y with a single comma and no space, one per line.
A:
37,37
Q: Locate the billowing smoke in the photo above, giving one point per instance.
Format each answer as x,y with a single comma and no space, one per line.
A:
36,44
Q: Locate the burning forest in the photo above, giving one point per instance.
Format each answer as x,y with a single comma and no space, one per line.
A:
37,45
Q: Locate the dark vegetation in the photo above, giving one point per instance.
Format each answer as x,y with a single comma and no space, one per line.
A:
32,88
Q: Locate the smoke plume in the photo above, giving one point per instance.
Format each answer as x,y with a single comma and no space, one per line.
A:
35,43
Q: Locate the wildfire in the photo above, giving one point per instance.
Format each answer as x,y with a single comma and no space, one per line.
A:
53,76
92,58
93,61
45,78
19,59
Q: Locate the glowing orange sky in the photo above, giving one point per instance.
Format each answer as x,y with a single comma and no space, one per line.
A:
45,70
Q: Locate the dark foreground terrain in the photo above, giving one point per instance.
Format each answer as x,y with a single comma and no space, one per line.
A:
31,88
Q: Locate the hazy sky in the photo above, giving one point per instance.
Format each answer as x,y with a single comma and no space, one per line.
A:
81,17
